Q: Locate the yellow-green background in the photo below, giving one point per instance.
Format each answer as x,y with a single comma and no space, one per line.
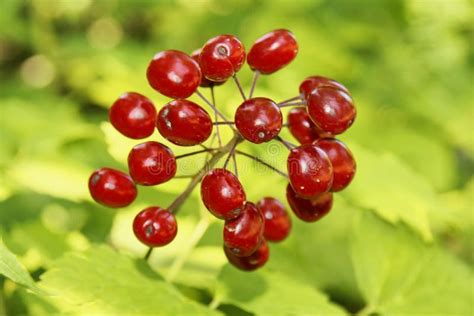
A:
409,66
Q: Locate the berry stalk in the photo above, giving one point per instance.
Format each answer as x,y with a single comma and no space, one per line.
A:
220,152
195,180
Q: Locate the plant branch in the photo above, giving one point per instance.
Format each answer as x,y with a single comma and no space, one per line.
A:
196,179
221,152
260,161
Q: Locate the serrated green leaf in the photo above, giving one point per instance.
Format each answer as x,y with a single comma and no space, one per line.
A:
396,193
102,281
399,274
265,292
11,268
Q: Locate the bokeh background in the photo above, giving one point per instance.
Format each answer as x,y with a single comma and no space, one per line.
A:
398,241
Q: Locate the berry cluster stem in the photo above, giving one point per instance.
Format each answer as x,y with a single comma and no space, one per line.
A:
297,98
291,104
260,161
239,86
213,99
222,116
256,74
196,179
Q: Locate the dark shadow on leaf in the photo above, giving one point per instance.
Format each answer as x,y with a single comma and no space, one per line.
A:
143,267
233,310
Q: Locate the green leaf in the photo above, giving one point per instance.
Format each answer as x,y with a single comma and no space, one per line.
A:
392,190
102,281
319,254
11,268
361,260
399,274
35,238
270,292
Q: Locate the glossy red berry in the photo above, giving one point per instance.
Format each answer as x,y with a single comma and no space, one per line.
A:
331,110
151,163
112,188
184,123
133,115
222,194
221,57
342,161
302,127
155,226
243,234
273,51
174,74
205,83
252,262
258,120
309,210
309,171
277,220
313,82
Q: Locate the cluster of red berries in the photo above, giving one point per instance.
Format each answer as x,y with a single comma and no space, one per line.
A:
319,166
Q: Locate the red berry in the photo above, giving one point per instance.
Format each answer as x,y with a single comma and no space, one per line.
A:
174,74
313,82
309,171
258,120
272,51
205,83
112,188
342,161
331,110
309,210
252,262
133,115
184,123
221,57
155,226
151,163
301,126
277,221
222,194
243,234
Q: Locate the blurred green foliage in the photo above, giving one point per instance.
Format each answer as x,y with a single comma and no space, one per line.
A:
399,240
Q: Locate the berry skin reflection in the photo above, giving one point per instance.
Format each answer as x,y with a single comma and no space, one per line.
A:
316,169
